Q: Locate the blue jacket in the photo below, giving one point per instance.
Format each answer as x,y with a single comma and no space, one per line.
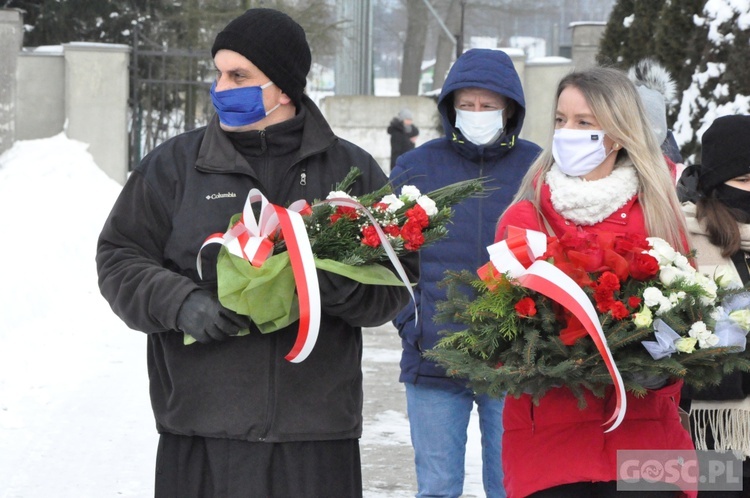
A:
447,160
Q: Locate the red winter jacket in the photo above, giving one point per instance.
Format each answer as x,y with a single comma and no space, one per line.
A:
557,443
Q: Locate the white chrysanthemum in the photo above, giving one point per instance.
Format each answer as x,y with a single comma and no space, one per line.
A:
428,205
338,194
665,305
661,250
668,274
652,296
699,330
410,193
393,202
709,341
681,262
709,287
676,297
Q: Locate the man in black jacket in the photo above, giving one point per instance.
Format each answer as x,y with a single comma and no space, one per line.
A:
235,418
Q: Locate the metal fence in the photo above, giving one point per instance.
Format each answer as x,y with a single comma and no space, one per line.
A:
168,93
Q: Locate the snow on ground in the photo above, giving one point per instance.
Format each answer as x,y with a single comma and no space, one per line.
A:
74,412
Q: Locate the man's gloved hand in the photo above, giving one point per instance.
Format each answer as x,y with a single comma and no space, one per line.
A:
206,320
335,289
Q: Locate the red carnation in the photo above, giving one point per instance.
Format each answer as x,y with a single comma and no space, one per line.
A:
392,230
370,236
618,310
526,307
604,301
634,301
343,211
418,215
608,281
412,235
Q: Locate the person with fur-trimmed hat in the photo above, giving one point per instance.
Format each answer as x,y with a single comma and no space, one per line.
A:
719,226
235,418
656,89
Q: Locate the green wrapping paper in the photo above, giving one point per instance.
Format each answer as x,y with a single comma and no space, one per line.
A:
267,294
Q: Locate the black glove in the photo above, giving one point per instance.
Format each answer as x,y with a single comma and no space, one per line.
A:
206,320
335,289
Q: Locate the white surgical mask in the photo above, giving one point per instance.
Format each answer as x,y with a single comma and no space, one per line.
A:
578,152
480,128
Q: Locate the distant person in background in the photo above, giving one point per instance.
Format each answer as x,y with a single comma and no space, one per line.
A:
482,106
656,88
403,134
719,228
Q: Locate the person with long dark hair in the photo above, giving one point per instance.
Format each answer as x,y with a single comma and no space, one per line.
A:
718,220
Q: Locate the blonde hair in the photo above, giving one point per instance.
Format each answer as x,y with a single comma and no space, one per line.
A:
615,103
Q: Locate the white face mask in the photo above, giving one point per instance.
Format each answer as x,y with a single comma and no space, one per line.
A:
578,152
480,128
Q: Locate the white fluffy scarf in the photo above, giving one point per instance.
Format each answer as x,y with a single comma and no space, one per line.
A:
590,202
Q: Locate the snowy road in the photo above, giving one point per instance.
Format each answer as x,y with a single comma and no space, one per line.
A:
76,423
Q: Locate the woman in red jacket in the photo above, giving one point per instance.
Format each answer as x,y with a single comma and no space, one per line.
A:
603,172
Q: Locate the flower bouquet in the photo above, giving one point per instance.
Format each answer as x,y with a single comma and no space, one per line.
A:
590,310
266,268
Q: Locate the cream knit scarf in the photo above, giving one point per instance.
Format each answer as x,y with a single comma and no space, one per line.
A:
589,202
728,422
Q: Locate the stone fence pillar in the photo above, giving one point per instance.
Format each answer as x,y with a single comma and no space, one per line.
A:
11,40
586,38
96,102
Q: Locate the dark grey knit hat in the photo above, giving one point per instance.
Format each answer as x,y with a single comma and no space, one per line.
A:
725,152
275,43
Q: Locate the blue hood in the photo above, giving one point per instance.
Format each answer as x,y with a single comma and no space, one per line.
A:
489,69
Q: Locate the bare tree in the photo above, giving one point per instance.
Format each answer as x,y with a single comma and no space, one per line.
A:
445,46
416,34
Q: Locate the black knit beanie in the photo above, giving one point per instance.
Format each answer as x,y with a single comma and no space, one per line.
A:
275,43
725,152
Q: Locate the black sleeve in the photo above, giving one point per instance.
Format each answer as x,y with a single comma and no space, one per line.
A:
129,260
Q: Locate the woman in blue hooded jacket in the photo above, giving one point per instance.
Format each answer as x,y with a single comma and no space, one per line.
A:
482,108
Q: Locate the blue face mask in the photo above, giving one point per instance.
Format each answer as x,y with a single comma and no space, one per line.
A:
240,106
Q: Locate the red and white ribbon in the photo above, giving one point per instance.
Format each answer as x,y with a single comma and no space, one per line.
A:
305,277
517,256
348,202
249,239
